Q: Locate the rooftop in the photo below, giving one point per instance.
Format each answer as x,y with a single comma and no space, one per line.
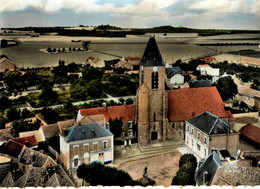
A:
209,166
11,148
183,103
29,141
152,55
209,123
125,112
251,131
199,83
87,131
171,71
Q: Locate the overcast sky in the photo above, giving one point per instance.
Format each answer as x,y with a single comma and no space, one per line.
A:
217,14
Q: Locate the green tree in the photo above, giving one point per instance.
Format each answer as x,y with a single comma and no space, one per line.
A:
49,50
48,96
23,126
50,115
94,88
97,174
226,88
12,114
92,73
4,102
116,127
186,173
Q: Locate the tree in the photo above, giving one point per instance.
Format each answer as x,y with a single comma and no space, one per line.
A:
4,43
129,101
185,174
49,50
92,73
23,126
50,115
26,114
94,88
97,174
4,102
226,88
48,96
116,127
12,114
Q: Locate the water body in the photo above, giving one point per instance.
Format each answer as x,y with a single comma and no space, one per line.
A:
172,48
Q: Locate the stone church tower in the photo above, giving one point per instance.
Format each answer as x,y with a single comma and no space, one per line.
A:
152,101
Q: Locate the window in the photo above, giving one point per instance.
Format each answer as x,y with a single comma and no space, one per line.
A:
198,147
205,140
173,125
86,147
105,144
187,140
192,131
155,80
95,146
198,135
76,150
154,127
130,124
154,116
188,128
76,162
192,142
205,152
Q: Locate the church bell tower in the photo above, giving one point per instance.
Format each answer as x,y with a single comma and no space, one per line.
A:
151,96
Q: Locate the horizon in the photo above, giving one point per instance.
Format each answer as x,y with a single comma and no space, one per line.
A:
199,14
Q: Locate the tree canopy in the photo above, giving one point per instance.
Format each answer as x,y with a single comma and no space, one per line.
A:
186,173
226,88
97,174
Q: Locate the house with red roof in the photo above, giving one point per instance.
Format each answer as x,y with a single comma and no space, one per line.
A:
7,65
29,141
251,134
102,115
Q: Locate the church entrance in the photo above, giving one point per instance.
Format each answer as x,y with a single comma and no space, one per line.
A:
154,135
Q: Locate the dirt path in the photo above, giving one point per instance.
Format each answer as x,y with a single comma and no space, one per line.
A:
161,168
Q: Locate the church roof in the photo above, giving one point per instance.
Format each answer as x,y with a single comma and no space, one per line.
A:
188,102
152,55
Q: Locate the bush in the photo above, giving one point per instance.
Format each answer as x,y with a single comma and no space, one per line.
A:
186,173
97,174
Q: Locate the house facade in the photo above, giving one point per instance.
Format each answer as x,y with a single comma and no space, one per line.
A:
206,133
85,144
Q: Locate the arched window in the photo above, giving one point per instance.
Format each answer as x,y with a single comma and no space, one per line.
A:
154,116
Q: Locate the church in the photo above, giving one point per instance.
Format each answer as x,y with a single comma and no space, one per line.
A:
159,113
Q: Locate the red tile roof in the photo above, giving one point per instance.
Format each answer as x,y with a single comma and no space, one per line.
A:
133,58
29,141
126,112
188,102
251,131
11,148
208,59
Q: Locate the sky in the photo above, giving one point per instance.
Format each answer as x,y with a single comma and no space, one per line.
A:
215,14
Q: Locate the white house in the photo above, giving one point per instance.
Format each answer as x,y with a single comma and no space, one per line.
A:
85,144
174,76
205,69
207,132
